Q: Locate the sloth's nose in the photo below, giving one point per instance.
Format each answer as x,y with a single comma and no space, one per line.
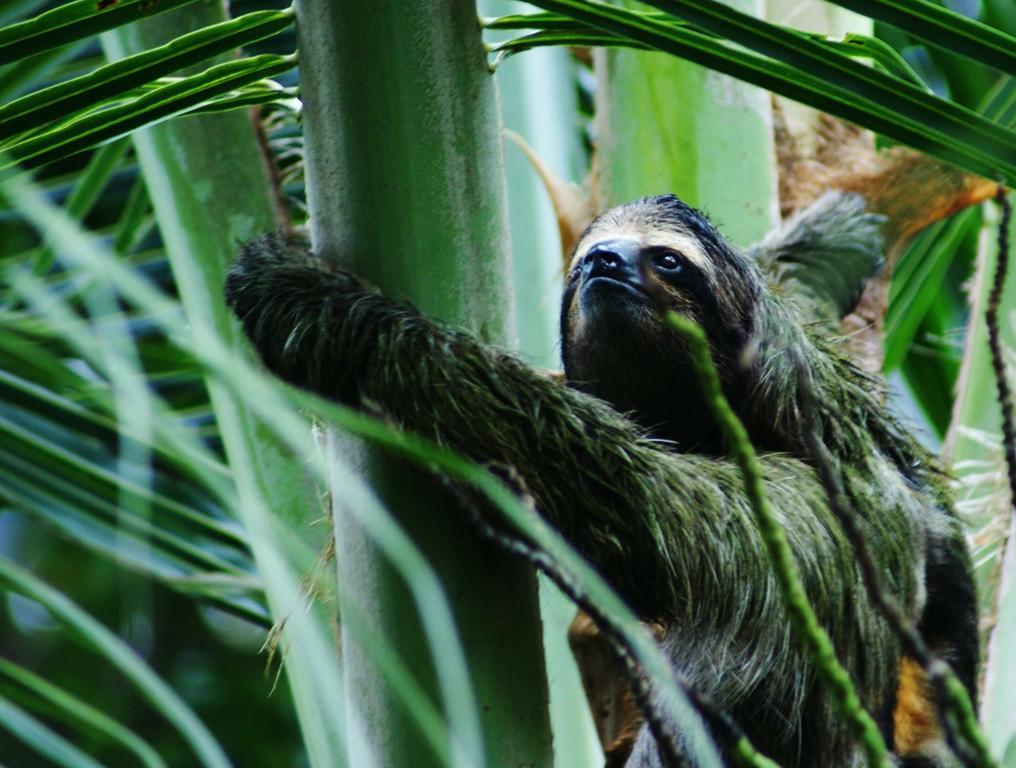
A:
613,258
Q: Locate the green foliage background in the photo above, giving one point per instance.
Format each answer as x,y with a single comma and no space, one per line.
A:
115,492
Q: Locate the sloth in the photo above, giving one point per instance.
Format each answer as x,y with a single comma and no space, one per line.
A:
623,458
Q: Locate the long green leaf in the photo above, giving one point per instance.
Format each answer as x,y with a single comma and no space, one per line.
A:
940,26
577,37
547,21
556,29
1000,103
121,656
118,77
800,85
261,94
82,714
155,106
74,21
42,739
13,9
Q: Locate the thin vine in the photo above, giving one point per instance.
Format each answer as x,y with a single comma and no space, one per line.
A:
802,616
995,342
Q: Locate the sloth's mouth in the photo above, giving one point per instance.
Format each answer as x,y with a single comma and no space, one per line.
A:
604,283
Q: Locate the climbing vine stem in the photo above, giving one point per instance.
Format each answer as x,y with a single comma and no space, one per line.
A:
802,616
995,342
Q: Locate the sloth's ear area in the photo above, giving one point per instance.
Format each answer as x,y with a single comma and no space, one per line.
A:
825,254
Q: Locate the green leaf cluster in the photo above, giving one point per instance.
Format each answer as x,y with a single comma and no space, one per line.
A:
108,438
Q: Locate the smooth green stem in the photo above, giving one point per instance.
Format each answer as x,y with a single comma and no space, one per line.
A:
405,185
667,125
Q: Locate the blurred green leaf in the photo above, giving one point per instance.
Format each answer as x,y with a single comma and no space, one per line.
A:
119,655
71,709
119,77
917,281
73,21
43,740
1000,103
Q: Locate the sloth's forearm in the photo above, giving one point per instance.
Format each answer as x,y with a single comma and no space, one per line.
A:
328,332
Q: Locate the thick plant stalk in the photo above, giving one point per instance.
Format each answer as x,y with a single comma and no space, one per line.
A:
194,169
406,186
666,125
539,103
538,106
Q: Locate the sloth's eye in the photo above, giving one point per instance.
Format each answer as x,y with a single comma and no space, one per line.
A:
668,261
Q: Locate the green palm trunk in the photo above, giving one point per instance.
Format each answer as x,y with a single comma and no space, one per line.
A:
539,102
666,125
406,186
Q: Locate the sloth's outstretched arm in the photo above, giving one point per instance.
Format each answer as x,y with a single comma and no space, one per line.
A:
674,533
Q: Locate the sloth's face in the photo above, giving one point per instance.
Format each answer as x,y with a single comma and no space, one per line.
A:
620,269
634,259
